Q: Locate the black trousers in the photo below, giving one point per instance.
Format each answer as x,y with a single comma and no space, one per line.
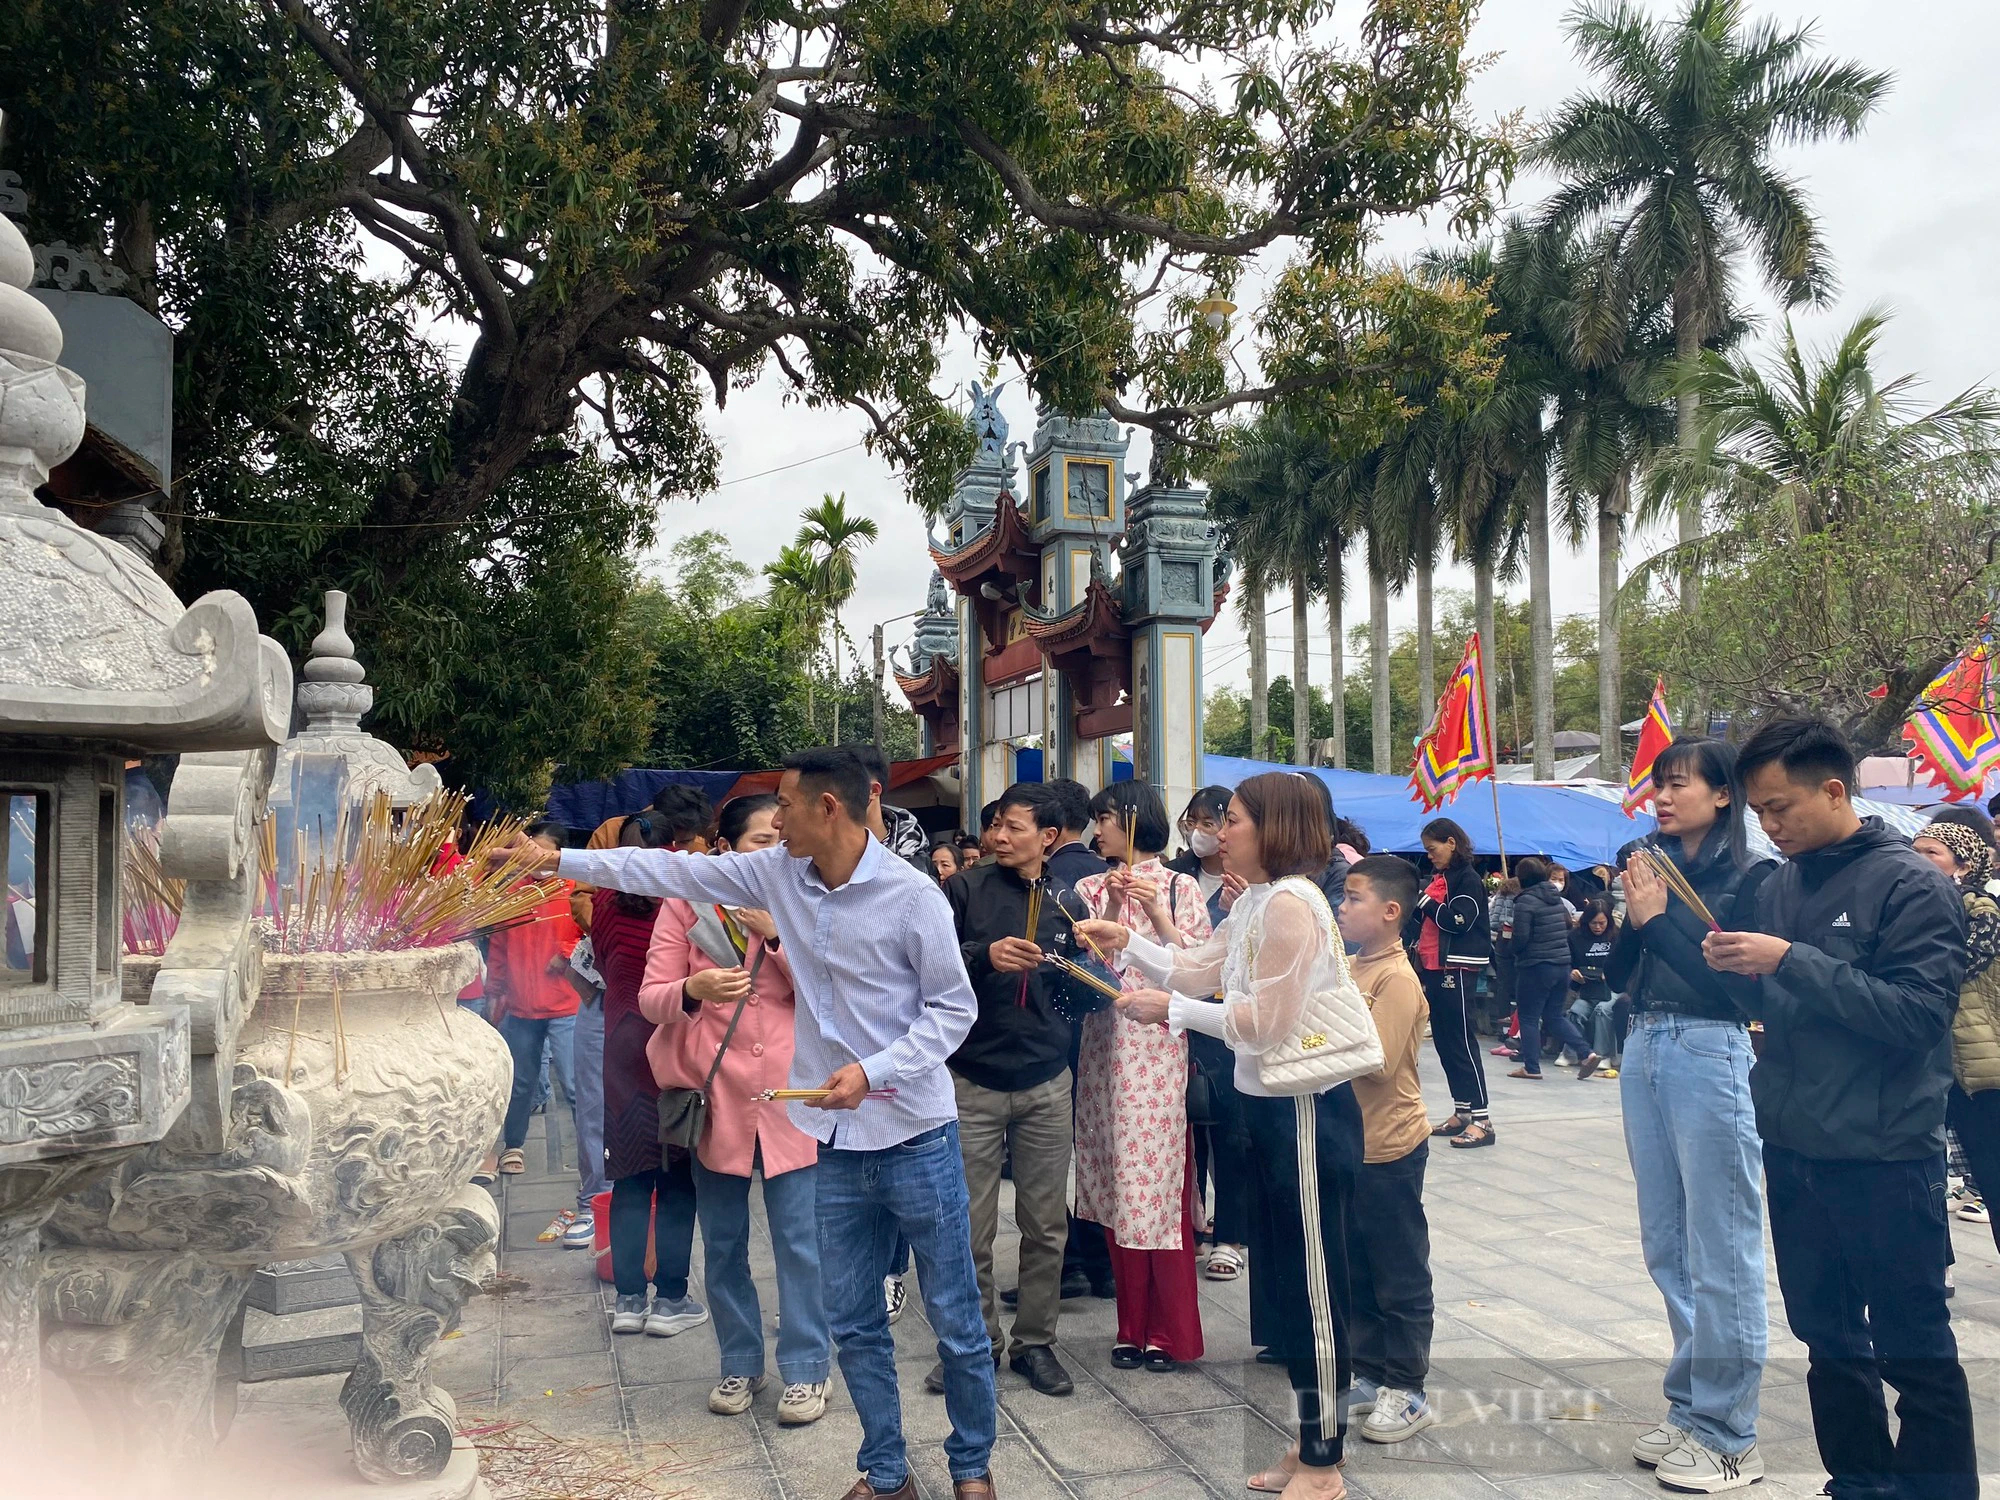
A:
1861,1257
1452,1035
1306,1153
1975,1120
1389,1263
1222,1148
1542,998
1086,1249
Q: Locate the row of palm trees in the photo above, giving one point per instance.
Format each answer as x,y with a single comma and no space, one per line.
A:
1612,307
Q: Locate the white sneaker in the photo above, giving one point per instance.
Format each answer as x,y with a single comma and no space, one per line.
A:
732,1396
894,1296
1398,1415
1698,1470
802,1404
1973,1211
581,1232
669,1318
629,1315
1658,1443
1361,1396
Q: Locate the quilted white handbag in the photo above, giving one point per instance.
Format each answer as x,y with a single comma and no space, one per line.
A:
1335,1039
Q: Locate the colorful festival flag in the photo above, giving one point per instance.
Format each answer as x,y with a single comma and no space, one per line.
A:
1655,734
1952,735
1458,747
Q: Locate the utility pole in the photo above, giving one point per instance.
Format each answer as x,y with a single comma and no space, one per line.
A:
875,694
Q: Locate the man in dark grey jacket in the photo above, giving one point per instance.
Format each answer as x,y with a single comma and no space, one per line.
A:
1854,970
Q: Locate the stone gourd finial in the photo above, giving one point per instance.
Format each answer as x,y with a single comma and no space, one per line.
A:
333,694
332,652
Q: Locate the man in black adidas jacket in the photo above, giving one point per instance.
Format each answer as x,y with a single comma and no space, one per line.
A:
1855,970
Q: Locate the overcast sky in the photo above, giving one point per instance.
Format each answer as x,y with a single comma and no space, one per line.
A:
1910,210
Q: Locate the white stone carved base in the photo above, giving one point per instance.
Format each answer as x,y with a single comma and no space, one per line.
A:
352,1127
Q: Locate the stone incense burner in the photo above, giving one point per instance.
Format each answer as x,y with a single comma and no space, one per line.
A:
362,1101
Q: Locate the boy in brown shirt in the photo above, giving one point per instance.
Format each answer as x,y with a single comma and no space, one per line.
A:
1388,1238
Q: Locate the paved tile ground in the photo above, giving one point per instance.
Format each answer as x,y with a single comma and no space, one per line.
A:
1550,1342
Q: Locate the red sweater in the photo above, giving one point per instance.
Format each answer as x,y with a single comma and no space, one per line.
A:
520,978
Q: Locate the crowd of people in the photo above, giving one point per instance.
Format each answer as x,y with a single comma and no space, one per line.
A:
1219,1050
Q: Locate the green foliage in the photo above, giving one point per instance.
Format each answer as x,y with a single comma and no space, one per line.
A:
1885,595
587,222
732,675
1677,151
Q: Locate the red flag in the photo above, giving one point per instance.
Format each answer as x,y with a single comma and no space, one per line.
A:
1952,734
1654,736
1458,747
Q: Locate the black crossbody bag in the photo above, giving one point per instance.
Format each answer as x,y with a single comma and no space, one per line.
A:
684,1112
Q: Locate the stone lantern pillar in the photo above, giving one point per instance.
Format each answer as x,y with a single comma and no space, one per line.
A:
98,662
1171,595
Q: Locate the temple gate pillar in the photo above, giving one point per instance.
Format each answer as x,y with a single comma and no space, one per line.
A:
1171,594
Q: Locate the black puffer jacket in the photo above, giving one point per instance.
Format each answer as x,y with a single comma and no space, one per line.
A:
1660,965
1541,927
1857,1020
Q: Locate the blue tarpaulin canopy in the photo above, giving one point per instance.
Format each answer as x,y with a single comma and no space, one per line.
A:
1573,828
585,804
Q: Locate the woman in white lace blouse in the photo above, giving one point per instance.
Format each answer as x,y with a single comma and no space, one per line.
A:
1276,949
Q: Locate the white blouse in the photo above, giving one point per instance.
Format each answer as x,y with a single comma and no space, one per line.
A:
1271,952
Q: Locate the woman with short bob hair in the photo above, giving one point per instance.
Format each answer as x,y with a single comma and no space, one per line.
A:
1132,1167
1275,954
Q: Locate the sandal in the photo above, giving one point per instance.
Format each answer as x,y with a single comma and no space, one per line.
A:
1478,1133
1517,1073
513,1163
1126,1357
1273,1481
1453,1126
1158,1360
1225,1263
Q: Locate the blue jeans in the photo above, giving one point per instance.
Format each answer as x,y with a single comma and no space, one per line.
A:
1862,1248
1692,1136
865,1198
586,1071
723,1202
529,1039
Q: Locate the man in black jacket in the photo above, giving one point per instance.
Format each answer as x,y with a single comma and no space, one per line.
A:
1012,1074
1856,966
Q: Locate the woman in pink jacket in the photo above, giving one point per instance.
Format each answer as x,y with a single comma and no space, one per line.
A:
710,967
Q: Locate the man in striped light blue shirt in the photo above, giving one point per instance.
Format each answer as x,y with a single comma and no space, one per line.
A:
883,1001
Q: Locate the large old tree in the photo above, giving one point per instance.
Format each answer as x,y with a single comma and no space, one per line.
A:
454,283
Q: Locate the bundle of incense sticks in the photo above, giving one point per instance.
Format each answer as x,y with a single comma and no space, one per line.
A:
152,901
1078,971
812,1094
1096,951
1035,910
377,882
1668,871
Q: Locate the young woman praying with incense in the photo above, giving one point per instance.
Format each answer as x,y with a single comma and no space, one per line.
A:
1690,1129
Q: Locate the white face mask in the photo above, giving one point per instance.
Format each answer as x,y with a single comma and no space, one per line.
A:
1204,843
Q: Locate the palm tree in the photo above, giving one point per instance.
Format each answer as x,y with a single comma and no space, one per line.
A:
1675,158
834,539
1271,495
1803,436
797,585
1493,463
1611,418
